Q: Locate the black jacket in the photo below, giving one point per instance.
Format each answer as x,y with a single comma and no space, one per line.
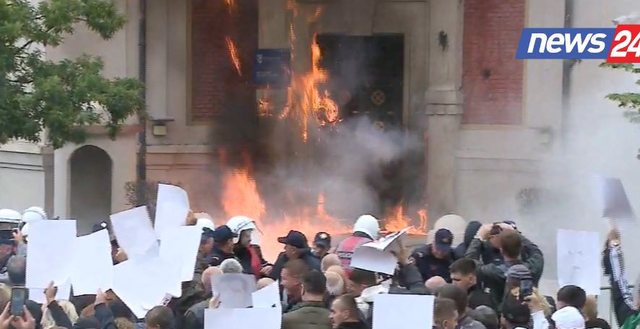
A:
218,256
244,257
312,261
469,233
493,276
430,266
477,297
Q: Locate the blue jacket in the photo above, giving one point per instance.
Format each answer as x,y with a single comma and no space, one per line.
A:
430,266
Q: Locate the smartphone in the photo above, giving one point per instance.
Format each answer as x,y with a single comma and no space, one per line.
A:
526,289
18,298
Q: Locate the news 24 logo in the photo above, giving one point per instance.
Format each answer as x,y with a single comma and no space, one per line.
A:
616,45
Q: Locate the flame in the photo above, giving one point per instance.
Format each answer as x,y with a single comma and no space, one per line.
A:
233,54
231,5
397,220
241,195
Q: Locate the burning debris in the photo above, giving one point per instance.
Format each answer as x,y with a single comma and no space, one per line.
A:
233,55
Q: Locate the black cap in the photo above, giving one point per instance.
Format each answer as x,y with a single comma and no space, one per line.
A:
323,240
222,234
443,240
296,239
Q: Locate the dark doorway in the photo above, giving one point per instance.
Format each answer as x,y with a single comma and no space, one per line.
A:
366,78
90,168
367,74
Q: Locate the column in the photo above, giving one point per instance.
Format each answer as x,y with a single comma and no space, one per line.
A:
444,103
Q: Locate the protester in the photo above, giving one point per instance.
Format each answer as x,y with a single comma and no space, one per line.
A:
485,315
205,250
222,245
434,283
492,276
571,295
627,315
345,315
488,249
264,282
311,312
231,265
434,259
463,275
469,233
292,274
445,314
515,315
335,284
329,260
321,244
295,247
568,317
590,311
160,317
17,270
460,297
516,275
249,254
366,229
194,316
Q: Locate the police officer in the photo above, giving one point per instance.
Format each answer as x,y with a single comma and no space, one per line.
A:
222,245
434,259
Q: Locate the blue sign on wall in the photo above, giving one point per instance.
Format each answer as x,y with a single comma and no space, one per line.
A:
272,68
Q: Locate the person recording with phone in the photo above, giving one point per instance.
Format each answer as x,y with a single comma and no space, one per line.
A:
519,286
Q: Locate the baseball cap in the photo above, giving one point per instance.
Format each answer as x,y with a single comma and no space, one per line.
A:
443,240
322,239
295,238
222,234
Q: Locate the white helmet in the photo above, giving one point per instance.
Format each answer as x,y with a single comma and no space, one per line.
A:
238,224
32,214
368,225
204,220
10,215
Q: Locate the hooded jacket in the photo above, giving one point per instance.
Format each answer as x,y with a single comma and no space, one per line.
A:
469,234
494,276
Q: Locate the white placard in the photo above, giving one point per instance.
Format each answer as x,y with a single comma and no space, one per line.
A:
376,256
402,311
268,296
134,232
578,256
243,318
92,264
50,251
234,289
63,293
172,208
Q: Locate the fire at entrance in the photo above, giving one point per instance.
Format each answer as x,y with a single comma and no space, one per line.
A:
333,149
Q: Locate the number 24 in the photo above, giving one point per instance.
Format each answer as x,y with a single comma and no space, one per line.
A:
633,47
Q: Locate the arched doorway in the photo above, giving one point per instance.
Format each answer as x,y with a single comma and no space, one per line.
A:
90,170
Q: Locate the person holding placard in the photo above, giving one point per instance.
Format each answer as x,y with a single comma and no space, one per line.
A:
626,310
366,229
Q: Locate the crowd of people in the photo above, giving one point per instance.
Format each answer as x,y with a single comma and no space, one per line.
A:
488,281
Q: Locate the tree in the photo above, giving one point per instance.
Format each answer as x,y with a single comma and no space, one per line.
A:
629,101
61,98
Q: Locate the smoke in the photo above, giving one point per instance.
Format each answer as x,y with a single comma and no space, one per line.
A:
600,141
352,165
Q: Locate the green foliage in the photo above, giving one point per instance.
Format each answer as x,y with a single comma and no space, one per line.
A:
62,97
630,101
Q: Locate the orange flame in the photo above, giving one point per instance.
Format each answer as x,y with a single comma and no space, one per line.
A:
240,196
233,54
231,5
397,220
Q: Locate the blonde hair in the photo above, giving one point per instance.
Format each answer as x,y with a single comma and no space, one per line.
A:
47,319
591,308
123,323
